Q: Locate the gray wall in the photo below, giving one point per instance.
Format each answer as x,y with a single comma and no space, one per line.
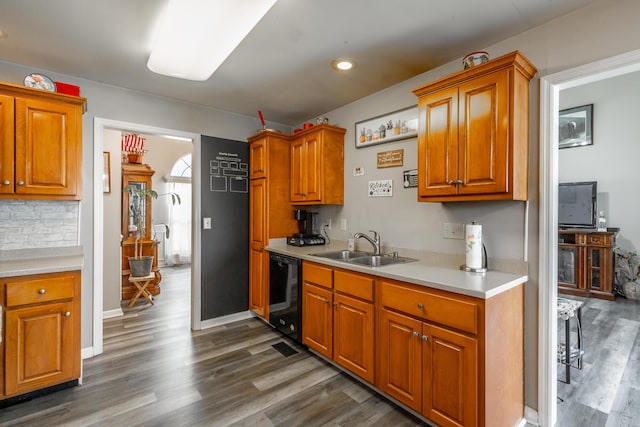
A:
612,160
598,31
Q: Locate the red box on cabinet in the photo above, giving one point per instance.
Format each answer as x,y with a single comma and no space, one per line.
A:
67,88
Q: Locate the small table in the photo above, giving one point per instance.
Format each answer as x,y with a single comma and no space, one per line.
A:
568,308
141,282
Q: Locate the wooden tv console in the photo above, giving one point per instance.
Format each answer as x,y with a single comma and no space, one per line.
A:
586,263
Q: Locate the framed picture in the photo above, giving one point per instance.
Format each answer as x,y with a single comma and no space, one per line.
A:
576,126
106,172
389,127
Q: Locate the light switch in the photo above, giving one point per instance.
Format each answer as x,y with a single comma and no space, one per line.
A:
206,223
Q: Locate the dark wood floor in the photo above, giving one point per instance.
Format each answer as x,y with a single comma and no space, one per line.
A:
606,392
155,372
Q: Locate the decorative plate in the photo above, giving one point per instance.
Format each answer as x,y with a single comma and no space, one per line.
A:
39,81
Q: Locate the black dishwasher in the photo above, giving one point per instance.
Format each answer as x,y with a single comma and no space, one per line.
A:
285,295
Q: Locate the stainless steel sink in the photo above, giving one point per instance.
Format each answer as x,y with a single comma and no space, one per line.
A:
363,258
342,255
379,260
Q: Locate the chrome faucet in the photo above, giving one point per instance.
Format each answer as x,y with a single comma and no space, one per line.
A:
375,241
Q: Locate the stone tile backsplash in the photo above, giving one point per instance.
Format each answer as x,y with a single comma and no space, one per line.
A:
39,223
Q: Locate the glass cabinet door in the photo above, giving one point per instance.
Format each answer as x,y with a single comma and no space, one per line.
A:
567,263
594,265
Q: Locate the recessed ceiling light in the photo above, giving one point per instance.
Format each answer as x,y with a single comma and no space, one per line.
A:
343,64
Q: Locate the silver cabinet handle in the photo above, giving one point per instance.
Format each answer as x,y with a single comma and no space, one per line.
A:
326,300
335,304
6,182
452,182
416,334
67,313
460,182
20,182
42,291
425,338
420,305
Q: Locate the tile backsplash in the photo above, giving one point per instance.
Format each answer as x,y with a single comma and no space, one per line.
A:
39,223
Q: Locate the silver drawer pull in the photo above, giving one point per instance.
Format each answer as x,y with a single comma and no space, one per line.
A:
420,305
425,337
6,182
415,334
20,182
42,291
67,313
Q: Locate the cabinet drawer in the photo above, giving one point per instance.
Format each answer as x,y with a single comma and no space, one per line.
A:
600,239
430,306
318,275
38,290
357,285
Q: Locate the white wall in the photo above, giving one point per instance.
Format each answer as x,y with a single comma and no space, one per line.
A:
613,158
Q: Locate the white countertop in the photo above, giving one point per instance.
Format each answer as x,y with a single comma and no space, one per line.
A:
437,271
22,262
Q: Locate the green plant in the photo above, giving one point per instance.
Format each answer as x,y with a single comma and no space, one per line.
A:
137,205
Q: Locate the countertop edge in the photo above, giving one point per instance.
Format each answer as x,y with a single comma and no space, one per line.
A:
40,261
479,285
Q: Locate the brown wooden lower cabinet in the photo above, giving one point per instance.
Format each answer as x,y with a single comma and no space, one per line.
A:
41,332
337,324
454,359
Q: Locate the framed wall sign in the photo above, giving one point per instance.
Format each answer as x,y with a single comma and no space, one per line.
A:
389,127
576,126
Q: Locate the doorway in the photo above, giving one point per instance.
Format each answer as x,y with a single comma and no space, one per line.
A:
550,87
100,126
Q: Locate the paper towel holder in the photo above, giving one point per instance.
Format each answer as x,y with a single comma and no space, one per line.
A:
482,269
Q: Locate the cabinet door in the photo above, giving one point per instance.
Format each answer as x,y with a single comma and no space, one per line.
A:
39,346
317,319
258,159
258,213
48,148
483,134
258,282
599,269
6,148
438,143
297,170
353,336
400,358
312,173
450,378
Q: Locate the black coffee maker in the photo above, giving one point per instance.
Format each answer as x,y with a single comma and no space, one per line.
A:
305,235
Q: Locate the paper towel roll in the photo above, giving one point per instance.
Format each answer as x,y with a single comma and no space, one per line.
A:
473,245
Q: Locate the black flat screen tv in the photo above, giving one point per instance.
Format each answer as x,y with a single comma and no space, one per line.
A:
577,204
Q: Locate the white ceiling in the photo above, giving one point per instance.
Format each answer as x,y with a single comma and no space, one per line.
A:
283,66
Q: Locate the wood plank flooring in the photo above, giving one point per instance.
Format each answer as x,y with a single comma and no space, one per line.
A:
606,392
156,372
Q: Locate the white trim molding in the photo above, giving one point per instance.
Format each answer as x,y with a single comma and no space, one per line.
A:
550,87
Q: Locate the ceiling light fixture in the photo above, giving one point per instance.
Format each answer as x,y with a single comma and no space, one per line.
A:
343,64
194,37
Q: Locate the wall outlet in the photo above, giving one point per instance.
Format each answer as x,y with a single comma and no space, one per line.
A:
327,223
343,224
453,231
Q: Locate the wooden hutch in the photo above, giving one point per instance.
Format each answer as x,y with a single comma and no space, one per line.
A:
139,175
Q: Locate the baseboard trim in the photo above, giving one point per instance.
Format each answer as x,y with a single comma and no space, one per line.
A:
112,313
531,416
223,320
87,353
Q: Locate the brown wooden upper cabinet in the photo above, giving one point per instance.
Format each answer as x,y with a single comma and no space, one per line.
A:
473,136
41,150
317,166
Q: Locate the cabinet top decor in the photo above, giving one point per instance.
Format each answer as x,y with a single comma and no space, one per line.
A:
514,59
18,90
